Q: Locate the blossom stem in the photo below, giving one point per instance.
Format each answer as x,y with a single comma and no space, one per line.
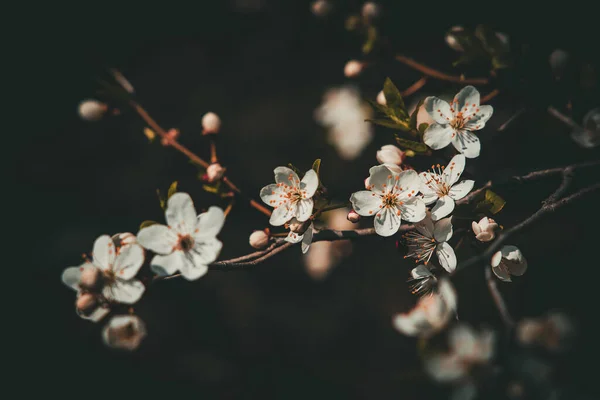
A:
489,96
498,299
415,87
329,208
213,151
433,73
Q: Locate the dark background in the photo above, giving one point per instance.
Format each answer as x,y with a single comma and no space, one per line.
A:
271,332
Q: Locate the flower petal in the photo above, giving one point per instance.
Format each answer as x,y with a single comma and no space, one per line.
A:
96,315
463,341
477,121
365,203
293,237
412,323
438,109
466,99
455,168
425,226
129,261
381,179
126,292
270,194
310,183
71,275
282,214
181,214
207,250
286,176
167,265
446,256
193,267
445,367
209,223
304,209
438,136
443,207
104,252
158,238
501,272
421,271
461,189
476,228
387,222
442,231
467,143
413,210
408,182
307,239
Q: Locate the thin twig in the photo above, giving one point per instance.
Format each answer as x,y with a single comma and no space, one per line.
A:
433,73
562,117
513,118
415,87
489,96
498,299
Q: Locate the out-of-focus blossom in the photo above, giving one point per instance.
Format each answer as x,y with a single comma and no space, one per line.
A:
189,243
381,98
484,230
353,68
390,154
323,256
300,232
92,110
172,135
353,216
467,349
553,332
439,186
290,197
320,8
558,60
508,261
429,238
589,135
370,10
211,123
344,114
391,197
259,239
422,280
214,172
455,122
124,332
451,38
431,314
123,239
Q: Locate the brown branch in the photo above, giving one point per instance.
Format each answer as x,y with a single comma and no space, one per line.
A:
498,299
415,87
433,73
563,118
489,96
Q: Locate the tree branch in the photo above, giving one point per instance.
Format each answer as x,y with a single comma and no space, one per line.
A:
498,299
433,73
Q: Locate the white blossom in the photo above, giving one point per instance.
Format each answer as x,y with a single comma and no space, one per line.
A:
92,110
370,10
189,243
451,38
320,8
214,172
353,68
390,154
301,232
455,122
559,59
211,123
439,186
124,332
554,332
381,98
431,313
508,261
259,239
390,198
431,237
422,280
484,229
588,136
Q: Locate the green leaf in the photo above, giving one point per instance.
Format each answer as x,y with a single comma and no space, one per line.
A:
387,123
422,127
491,203
161,199
214,188
410,145
372,36
317,166
172,189
147,223
394,99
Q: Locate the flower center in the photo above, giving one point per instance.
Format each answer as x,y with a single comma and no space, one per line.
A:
186,242
295,195
459,121
389,200
420,247
436,181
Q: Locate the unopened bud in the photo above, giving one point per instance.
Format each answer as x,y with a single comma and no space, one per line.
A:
214,172
320,7
353,68
92,110
172,135
370,10
299,227
390,154
91,279
211,123
259,239
124,332
353,216
86,304
381,98
451,38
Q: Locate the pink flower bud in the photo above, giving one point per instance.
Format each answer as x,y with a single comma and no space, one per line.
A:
172,135
214,172
390,154
92,110
353,216
124,332
86,304
211,123
91,279
320,8
259,239
451,39
484,229
353,68
381,98
370,10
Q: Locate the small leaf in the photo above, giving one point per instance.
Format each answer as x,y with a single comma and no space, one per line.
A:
210,189
491,203
394,99
372,36
147,223
422,127
317,166
172,189
387,123
149,134
161,199
414,146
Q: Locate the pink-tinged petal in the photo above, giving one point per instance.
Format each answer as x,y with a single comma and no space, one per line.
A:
167,265
72,275
467,143
366,203
476,228
438,136
425,226
387,222
293,237
461,189
126,292
207,251
455,168
446,256
104,252
209,223
129,261
304,209
270,194
286,176
413,210
466,100
442,231
307,239
477,121
310,183
438,109
181,214
443,207
282,214
158,238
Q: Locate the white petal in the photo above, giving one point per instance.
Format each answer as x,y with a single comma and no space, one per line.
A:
466,99
442,231
104,252
126,292
181,214
501,272
443,207
71,275
307,240
413,210
365,203
425,226
129,261
167,265
438,136
446,256
447,293
438,109
412,323
193,267
478,120
304,209
429,198
209,223
455,168
293,237
463,341
387,222
207,250
421,271
286,176
282,214
381,179
270,194
461,189
310,183
445,367
409,181
124,332
467,143
158,238
96,315
476,228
